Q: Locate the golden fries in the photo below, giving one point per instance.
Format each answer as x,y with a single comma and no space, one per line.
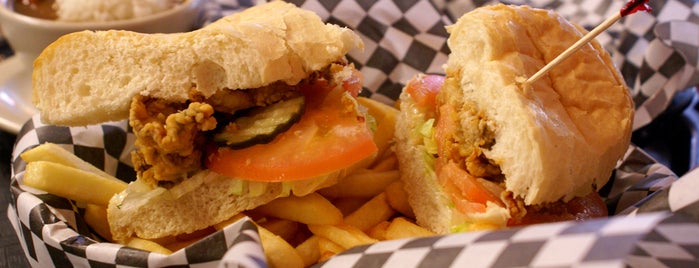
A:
147,245
71,183
367,206
385,116
96,217
378,231
371,213
361,183
309,209
328,248
388,163
53,153
309,251
402,228
286,229
278,252
398,199
348,205
343,235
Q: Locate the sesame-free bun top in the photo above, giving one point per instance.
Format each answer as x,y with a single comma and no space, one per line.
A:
90,77
562,136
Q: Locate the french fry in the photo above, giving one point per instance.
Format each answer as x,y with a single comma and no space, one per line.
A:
327,248
398,199
371,213
344,235
390,162
175,243
71,183
400,227
309,209
309,251
96,217
385,116
378,231
54,153
147,245
347,205
223,224
383,136
286,229
361,183
278,252
377,109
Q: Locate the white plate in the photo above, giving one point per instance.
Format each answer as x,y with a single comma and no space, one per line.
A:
15,93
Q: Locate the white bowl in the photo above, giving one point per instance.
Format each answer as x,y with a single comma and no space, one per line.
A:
28,36
31,35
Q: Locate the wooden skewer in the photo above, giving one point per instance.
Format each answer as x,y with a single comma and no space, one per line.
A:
572,49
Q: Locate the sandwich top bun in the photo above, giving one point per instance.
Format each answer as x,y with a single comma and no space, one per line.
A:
559,138
90,77
553,140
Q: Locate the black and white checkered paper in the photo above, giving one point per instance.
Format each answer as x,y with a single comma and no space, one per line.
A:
657,54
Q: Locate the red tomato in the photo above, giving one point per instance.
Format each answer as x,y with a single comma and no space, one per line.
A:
327,138
424,89
468,189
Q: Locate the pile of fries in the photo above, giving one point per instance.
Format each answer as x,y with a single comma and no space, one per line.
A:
367,206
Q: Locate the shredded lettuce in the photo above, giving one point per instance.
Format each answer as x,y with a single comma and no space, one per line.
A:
427,131
459,228
371,122
256,188
286,189
237,187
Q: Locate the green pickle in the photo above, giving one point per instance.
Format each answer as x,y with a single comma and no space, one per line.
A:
262,124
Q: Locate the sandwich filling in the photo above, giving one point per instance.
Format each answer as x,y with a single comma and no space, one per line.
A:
176,140
456,138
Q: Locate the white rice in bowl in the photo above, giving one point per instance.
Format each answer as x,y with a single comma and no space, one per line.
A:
109,10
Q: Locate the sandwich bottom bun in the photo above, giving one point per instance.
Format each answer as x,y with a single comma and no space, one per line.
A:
206,199
527,147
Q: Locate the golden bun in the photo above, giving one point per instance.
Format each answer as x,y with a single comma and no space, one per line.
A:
90,77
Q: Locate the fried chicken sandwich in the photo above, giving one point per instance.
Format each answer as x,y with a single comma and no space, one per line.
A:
478,149
257,105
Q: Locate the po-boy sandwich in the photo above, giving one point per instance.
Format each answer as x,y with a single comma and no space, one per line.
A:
257,105
479,149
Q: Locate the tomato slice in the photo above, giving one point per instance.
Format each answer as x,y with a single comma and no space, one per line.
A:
468,187
330,136
423,89
467,194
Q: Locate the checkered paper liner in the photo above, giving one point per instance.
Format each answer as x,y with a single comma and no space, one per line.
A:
53,233
403,38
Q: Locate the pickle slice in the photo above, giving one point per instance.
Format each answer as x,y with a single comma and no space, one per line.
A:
262,124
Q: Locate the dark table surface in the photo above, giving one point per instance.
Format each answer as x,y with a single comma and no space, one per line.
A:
11,254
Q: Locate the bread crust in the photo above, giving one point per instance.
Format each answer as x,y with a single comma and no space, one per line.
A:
79,84
425,196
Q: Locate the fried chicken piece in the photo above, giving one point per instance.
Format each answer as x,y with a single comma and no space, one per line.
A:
168,139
